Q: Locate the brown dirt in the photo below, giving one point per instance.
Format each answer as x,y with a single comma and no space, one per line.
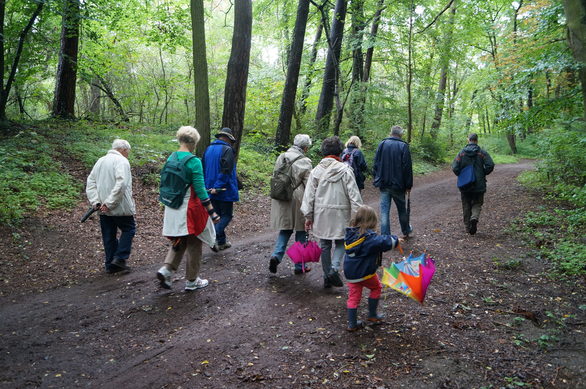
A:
65,323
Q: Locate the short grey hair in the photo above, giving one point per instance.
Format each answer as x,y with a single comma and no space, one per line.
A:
188,135
397,130
302,140
120,144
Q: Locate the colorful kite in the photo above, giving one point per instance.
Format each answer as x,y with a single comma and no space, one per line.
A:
411,276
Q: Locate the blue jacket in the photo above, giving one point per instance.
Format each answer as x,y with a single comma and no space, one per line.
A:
219,166
392,165
363,253
358,164
472,154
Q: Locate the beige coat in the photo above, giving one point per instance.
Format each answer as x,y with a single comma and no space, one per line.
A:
285,215
331,198
110,183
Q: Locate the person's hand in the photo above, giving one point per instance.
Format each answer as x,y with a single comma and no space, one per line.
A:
308,225
215,218
213,191
408,191
401,241
104,208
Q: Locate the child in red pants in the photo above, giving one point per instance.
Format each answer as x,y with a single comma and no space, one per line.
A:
364,249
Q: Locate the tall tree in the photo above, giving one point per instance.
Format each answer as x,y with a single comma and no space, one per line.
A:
311,68
371,39
5,88
295,54
357,101
237,76
445,63
331,71
200,75
576,20
410,74
66,79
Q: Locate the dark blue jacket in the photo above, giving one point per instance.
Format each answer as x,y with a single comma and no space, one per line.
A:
219,166
483,166
358,164
363,252
392,165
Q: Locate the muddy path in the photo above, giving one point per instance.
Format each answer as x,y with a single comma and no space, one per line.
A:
482,323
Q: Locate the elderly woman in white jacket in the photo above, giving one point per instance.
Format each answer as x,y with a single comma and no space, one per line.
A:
330,200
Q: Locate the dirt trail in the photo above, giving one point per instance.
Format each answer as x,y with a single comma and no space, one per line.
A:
250,328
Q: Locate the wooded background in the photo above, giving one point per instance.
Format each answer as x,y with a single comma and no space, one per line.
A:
271,69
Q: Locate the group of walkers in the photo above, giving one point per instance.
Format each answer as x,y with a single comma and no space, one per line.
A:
324,200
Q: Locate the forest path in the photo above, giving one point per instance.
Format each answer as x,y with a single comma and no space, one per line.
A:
250,328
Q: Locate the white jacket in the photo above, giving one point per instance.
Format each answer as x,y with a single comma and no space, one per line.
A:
110,183
331,198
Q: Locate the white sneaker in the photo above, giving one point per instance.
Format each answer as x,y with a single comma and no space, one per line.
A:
164,276
197,284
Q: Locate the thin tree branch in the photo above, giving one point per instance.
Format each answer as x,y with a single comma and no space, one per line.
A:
436,17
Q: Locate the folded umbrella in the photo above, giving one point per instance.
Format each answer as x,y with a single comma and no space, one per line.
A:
411,276
300,252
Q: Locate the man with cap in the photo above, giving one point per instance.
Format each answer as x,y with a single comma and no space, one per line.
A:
472,195
219,162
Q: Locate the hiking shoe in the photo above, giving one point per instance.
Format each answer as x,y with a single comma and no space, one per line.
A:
327,283
473,223
335,279
224,246
300,270
378,319
164,276
197,284
359,325
118,264
273,263
215,248
409,234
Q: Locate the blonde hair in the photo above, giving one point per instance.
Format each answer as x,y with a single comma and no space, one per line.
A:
187,135
354,140
365,219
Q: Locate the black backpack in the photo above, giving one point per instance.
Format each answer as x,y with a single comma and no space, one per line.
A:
175,180
282,182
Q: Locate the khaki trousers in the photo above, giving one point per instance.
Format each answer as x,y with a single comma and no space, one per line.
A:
192,245
471,205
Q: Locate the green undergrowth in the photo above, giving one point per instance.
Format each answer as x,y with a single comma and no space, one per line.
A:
557,231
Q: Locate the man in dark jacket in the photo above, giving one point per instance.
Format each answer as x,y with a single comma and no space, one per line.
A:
393,175
473,195
219,164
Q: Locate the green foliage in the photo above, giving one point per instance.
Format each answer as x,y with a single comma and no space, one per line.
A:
31,177
255,168
429,150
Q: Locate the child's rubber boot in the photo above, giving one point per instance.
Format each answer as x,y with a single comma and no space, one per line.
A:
353,323
374,317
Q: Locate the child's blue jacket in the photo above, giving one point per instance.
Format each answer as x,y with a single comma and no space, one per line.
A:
363,251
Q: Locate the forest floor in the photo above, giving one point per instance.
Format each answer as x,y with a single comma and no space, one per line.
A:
493,316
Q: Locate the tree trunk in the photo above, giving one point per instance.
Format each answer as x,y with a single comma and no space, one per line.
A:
65,81
410,75
200,76
445,63
357,90
576,20
331,71
370,41
311,70
283,133
104,87
94,106
5,89
237,75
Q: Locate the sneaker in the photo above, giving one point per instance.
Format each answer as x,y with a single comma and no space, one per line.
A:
224,246
335,279
327,283
118,264
164,276
197,284
215,248
273,263
409,234
300,270
473,223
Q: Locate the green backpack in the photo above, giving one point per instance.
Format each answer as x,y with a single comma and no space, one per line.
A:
175,180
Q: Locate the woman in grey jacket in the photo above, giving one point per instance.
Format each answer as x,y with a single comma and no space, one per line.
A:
330,200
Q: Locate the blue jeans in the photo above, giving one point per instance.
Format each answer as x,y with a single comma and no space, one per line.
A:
283,239
331,263
398,196
225,209
117,247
